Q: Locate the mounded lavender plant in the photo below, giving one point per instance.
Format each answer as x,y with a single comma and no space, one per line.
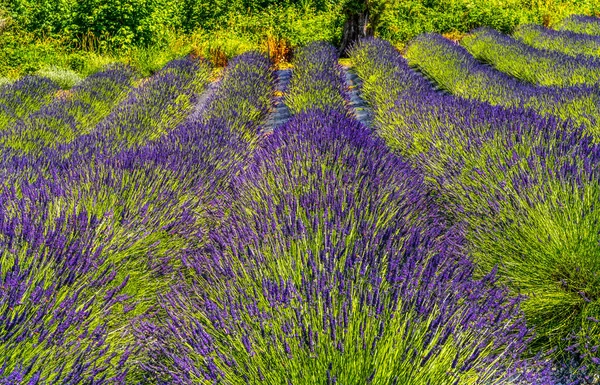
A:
54,298
317,80
335,267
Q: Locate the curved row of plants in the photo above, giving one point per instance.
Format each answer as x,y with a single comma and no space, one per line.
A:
566,42
536,66
72,114
588,25
524,186
89,246
452,68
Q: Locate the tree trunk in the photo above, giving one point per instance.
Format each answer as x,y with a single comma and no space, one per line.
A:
357,26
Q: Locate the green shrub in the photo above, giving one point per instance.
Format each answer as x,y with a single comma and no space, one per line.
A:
79,34
65,78
406,19
120,23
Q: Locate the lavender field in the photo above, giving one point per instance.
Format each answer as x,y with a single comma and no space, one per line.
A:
429,216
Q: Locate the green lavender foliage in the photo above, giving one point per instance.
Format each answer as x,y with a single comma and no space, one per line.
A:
317,80
526,63
65,78
569,43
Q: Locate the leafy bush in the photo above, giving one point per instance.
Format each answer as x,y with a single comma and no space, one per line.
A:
404,20
118,22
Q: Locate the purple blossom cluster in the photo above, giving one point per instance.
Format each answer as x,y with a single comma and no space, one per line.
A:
52,293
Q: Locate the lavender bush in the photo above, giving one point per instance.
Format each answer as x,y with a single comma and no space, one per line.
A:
317,80
336,268
148,112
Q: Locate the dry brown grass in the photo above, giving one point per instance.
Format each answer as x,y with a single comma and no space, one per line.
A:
64,94
218,56
455,36
279,50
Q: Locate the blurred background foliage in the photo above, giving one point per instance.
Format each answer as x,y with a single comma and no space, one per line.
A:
83,35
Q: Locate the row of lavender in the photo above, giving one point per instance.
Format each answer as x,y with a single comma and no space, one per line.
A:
577,36
71,114
533,65
455,70
23,97
317,80
335,265
94,233
524,186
